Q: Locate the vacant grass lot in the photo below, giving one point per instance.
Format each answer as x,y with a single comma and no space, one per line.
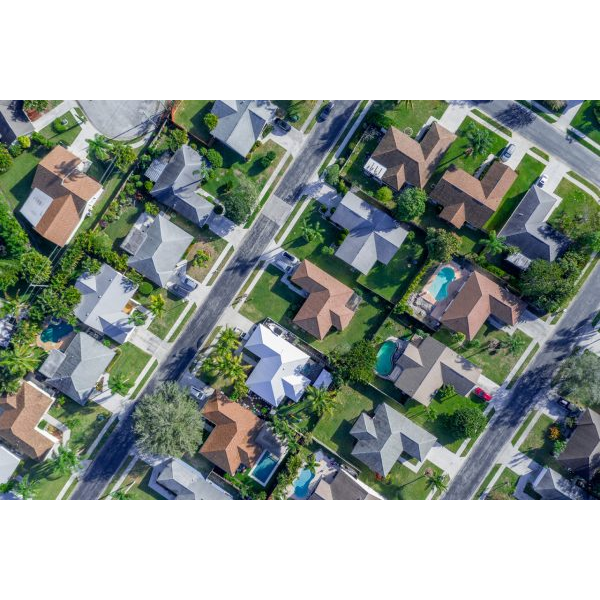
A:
190,115
174,306
528,172
538,446
302,107
129,363
496,364
577,214
586,121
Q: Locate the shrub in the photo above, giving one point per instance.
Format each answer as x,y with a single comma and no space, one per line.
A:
332,175
239,201
211,121
37,105
267,130
152,208
441,244
6,160
466,422
43,141
214,158
58,126
267,159
384,194
148,185
24,141
145,288
15,150
176,139
342,187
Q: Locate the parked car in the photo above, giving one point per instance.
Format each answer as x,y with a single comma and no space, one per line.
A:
507,153
189,283
325,112
542,180
481,393
282,124
201,395
565,403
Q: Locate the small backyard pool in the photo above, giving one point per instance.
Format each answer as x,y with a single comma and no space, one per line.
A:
56,332
385,358
439,286
264,468
302,483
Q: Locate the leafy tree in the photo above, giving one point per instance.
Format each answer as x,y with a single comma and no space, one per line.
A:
6,160
24,141
156,304
239,390
558,447
214,158
200,258
321,400
35,267
441,244
458,337
466,422
66,461
516,344
332,174
99,148
384,194
118,384
177,138
13,237
446,391
412,203
591,241
168,422
579,378
124,156
151,208
37,105
239,201
90,265
211,121
479,138
56,301
27,488
358,363
493,244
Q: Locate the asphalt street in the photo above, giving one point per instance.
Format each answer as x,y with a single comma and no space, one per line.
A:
544,136
531,387
115,450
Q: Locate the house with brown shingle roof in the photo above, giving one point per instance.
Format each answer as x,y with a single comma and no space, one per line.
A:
399,159
329,301
20,415
467,199
233,441
61,196
477,300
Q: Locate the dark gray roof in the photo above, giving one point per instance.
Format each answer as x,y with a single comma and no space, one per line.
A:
185,483
76,371
549,484
582,454
13,121
394,434
374,235
342,487
160,250
527,228
176,186
103,298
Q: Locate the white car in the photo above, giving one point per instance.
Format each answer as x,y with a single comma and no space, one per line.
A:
542,180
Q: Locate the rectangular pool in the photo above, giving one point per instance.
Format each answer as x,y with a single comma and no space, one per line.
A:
264,468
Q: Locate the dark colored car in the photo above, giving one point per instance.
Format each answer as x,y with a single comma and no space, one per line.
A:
481,393
282,124
325,112
564,403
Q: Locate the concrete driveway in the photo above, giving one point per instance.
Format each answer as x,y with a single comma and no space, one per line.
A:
122,119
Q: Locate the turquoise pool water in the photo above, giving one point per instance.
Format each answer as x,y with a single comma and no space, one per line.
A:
301,484
264,468
439,287
56,332
385,354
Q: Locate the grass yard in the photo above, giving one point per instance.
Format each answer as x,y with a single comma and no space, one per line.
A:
492,122
505,486
496,364
174,306
16,182
585,182
48,483
118,229
577,214
136,483
528,171
213,245
302,107
66,137
129,363
585,120
538,446
190,115
394,326
486,481
353,168
411,114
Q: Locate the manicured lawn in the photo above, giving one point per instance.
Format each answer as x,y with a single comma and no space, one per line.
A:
523,427
136,483
505,486
413,115
538,446
190,115
492,122
66,137
577,214
302,107
212,244
353,169
585,120
528,171
496,364
129,363
118,230
394,326
48,483
174,306
16,182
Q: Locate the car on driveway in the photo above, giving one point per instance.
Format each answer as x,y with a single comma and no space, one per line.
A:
507,153
481,393
325,112
283,124
542,180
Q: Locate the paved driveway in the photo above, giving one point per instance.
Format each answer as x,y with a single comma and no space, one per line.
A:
122,119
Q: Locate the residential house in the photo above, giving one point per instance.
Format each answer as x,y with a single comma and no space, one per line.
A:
426,365
234,441
550,485
20,416
469,200
176,182
176,480
582,454
105,296
13,121
61,196
280,369
8,464
381,439
343,487
76,370
528,230
241,122
477,300
156,246
373,236
329,304
399,159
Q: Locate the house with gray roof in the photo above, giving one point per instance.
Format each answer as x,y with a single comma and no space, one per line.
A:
550,485
104,297
176,480
381,439
373,236
342,486
176,182
156,247
582,453
241,122
528,230
76,370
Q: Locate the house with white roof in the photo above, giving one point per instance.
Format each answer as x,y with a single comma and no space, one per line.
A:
280,370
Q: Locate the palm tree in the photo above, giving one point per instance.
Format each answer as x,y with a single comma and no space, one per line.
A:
311,463
240,389
494,244
120,494
479,139
99,147
515,344
26,488
234,368
137,318
229,339
21,359
118,384
13,306
311,232
409,104
436,480
66,461
322,400
156,304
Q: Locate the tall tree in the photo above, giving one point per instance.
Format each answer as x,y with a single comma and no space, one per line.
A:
27,488
493,244
441,244
412,203
321,400
14,306
66,461
21,359
156,304
99,148
579,378
479,138
358,363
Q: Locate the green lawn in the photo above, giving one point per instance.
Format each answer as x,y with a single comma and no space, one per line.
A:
66,137
496,364
538,446
302,107
190,115
16,182
136,483
413,115
48,483
486,481
394,326
586,122
353,168
528,171
505,486
118,230
129,363
577,214
174,306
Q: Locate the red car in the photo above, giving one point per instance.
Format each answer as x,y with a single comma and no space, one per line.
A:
481,393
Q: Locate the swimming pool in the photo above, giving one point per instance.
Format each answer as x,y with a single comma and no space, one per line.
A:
301,484
439,288
56,332
264,468
385,355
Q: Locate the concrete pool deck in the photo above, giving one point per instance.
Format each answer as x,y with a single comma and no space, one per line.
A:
425,299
